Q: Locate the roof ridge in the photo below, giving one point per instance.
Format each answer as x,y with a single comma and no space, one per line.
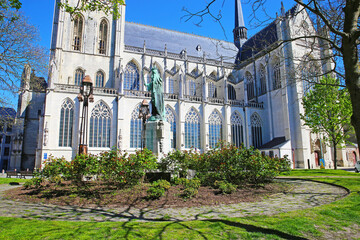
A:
185,33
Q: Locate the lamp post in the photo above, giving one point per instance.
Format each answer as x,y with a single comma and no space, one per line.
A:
144,113
86,96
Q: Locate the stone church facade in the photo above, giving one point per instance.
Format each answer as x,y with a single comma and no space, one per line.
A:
246,92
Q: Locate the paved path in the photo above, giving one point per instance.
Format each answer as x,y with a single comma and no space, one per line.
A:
303,194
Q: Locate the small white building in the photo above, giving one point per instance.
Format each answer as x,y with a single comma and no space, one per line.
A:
247,92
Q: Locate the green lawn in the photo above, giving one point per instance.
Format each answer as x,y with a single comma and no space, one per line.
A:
338,220
11,180
320,172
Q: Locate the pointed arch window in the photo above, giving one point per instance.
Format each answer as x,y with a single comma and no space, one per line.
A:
310,76
237,129
103,31
100,123
99,81
212,90
66,123
215,129
79,75
192,129
131,77
250,88
170,118
262,79
77,34
256,130
135,129
276,75
231,92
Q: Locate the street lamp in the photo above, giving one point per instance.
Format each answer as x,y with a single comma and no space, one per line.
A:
144,113
86,96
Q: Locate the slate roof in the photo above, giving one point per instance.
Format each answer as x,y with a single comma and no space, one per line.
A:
273,143
262,39
156,38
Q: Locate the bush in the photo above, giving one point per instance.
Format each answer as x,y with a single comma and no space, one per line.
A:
158,189
121,169
35,182
225,187
53,169
178,162
190,186
237,166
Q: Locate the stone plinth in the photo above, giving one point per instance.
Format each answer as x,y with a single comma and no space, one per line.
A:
158,137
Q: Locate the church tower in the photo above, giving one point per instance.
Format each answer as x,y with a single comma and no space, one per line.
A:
240,31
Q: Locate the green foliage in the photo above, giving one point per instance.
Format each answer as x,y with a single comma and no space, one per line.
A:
225,187
328,110
108,7
158,189
237,166
177,162
34,182
112,167
190,186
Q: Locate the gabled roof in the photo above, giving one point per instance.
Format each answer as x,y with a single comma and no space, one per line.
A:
156,38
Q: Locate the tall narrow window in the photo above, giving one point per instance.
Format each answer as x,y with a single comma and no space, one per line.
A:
66,123
99,82
77,34
170,118
237,129
262,79
212,90
103,31
250,88
135,129
79,75
256,130
192,88
215,129
192,129
100,123
171,85
276,75
131,77
231,92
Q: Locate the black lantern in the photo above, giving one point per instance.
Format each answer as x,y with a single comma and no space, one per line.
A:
86,96
144,113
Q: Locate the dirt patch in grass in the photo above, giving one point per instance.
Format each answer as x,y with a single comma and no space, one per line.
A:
97,195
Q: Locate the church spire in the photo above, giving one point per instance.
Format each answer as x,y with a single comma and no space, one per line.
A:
240,31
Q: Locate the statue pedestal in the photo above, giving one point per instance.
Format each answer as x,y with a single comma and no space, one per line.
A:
158,137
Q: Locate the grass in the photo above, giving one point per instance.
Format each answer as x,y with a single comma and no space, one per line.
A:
10,180
320,172
337,220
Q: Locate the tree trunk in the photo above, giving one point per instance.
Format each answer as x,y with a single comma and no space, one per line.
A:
335,160
351,61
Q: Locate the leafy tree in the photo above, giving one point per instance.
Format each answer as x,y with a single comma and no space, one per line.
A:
328,111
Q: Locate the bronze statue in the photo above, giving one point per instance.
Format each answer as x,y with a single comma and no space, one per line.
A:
156,88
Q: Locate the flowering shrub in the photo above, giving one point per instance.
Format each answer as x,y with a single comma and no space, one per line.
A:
178,162
119,168
112,167
238,166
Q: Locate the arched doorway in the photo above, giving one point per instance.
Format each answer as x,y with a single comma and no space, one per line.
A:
354,157
317,158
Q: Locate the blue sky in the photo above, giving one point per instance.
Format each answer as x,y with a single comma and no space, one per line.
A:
161,13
